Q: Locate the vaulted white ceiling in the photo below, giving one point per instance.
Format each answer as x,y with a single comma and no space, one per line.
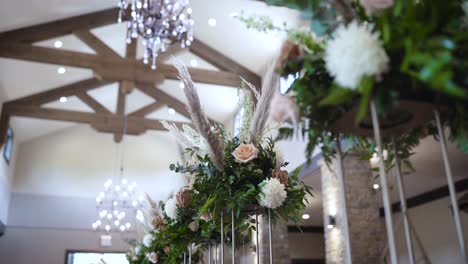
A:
250,48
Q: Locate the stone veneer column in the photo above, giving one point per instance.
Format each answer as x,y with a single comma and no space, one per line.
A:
366,228
280,242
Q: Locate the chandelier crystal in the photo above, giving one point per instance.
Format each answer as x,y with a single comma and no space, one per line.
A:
160,23
117,207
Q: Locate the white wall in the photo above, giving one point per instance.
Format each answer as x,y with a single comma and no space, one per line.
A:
77,161
6,180
435,225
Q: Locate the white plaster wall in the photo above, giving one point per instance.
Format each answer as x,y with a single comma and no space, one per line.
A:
435,225
6,179
77,161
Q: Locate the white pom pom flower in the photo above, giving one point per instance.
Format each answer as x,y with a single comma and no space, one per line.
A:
147,240
353,53
272,194
137,250
170,208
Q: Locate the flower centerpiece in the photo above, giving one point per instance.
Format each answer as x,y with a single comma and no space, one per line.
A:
170,230
241,173
407,57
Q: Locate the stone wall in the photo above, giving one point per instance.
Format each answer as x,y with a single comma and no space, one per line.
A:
280,242
366,228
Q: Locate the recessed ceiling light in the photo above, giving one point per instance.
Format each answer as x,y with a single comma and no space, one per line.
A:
212,22
58,44
61,70
181,85
63,99
193,62
305,216
376,186
171,111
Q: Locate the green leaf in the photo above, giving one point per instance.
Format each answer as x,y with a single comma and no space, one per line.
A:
337,95
366,90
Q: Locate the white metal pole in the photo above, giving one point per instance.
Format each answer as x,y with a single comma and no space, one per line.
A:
384,185
339,156
209,252
190,254
257,246
269,236
222,238
453,191
404,210
233,235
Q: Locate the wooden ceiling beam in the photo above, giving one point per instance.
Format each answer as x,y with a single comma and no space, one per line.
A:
113,69
148,109
110,123
120,108
66,91
91,102
95,43
223,62
61,27
164,98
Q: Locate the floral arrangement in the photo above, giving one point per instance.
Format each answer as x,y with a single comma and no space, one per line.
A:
384,51
241,173
169,232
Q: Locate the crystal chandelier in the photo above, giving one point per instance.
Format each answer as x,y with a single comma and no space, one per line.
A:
117,206
160,23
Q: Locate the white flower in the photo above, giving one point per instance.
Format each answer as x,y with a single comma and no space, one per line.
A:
170,208
355,52
137,250
279,158
153,257
147,240
272,194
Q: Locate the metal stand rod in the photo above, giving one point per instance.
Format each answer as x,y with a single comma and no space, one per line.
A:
453,192
339,156
257,246
269,236
222,238
190,254
383,183
184,258
404,209
209,253
216,254
233,236
420,244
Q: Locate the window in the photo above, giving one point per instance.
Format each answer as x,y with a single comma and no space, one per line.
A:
78,257
238,121
8,150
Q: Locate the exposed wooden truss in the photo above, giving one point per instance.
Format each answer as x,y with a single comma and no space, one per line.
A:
108,67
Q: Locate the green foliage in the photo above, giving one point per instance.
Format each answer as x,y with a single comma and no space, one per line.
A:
427,43
237,188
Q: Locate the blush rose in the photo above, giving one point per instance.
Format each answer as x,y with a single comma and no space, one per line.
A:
245,153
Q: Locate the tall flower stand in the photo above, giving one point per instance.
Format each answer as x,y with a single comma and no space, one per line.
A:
413,113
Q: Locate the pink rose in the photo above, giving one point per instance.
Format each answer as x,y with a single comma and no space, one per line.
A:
374,6
245,153
167,249
153,257
193,226
284,109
